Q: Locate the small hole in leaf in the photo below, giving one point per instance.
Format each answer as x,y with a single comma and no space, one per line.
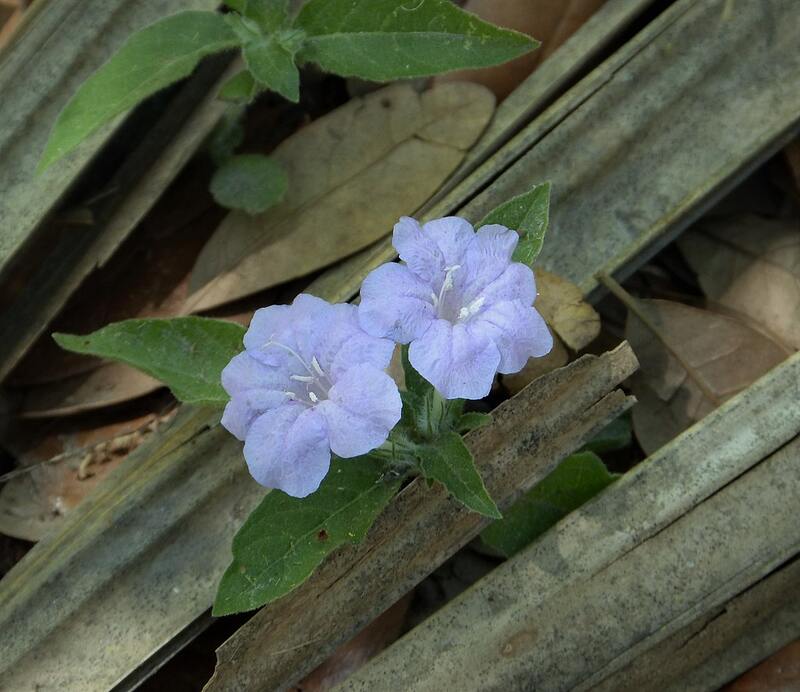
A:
322,535
386,103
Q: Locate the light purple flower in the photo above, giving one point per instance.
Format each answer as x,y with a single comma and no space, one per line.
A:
460,301
310,381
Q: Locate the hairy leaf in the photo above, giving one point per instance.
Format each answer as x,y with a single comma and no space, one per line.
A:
472,420
186,353
448,461
381,40
576,479
286,538
616,435
250,182
242,88
150,59
528,214
272,65
269,14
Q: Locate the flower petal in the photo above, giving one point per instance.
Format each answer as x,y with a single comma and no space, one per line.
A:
395,304
460,364
487,257
518,331
254,388
287,448
515,283
453,235
362,408
345,344
298,327
418,250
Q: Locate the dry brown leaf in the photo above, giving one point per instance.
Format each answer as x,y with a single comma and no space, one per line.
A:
352,173
549,21
148,279
39,499
349,657
778,673
723,354
108,385
536,367
752,266
562,305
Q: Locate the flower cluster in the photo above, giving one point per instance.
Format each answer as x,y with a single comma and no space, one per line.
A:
312,378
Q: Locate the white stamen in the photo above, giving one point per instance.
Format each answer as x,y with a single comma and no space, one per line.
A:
292,396
472,308
314,398
302,378
435,299
315,365
447,284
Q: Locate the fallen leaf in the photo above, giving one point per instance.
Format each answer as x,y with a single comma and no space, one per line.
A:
536,367
721,356
562,305
108,385
349,657
778,673
39,499
148,279
351,173
550,21
752,266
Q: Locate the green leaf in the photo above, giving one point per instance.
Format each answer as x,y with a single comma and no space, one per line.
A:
272,65
415,383
241,89
285,538
577,479
150,59
186,353
528,214
250,182
227,136
472,421
269,14
448,461
615,436
383,40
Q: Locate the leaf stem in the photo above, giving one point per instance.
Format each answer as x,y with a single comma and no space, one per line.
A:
633,305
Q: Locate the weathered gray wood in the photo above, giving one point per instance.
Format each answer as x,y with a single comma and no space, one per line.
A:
568,62
62,255
640,147
423,526
132,568
721,644
661,546
58,48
